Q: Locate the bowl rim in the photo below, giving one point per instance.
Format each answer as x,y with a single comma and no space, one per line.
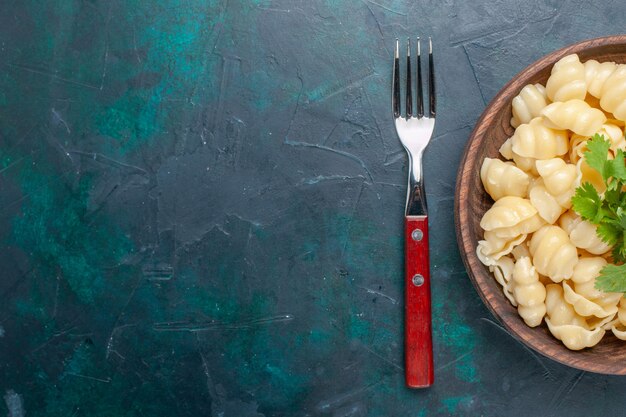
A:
473,266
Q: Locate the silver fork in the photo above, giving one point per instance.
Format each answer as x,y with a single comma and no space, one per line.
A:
415,130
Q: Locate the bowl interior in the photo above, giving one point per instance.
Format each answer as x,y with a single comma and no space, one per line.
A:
471,202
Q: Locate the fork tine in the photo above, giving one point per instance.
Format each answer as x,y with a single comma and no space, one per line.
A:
409,87
395,96
431,80
420,95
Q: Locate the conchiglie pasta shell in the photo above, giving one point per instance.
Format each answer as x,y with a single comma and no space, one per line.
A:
501,179
525,227
503,270
584,236
586,307
575,115
536,140
493,247
520,251
507,212
558,310
530,294
575,337
528,104
605,323
558,176
548,208
525,164
613,96
567,80
553,254
524,272
506,149
532,315
586,270
596,74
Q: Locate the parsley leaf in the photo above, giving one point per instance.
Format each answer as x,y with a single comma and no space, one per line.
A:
612,195
612,278
609,233
607,210
586,201
618,168
621,217
597,155
618,253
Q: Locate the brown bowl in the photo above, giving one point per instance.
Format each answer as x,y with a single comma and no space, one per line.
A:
471,202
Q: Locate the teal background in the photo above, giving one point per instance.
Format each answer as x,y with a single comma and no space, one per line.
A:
201,209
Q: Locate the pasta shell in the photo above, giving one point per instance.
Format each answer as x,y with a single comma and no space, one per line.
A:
584,306
493,247
596,74
613,95
502,179
547,206
575,337
553,254
507,212
528,104
583,235
558,176
567,80
529,292
575,115
558,310
536,140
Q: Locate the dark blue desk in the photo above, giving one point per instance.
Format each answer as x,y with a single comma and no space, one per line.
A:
201,209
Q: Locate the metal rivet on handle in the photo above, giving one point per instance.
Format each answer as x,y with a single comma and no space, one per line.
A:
418,280
417,235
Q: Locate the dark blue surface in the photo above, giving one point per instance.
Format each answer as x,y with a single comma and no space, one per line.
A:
201,209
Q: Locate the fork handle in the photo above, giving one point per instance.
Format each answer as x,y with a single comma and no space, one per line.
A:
418,346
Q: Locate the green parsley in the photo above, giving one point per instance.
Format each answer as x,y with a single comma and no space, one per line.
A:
608,210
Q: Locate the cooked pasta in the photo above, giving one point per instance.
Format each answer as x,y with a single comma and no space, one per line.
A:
575,115
546,204
596,74
586,307
610,131
545,256
583,234
575,337
553,254
584,278
613,94
511,216
618,327
493,247
528,104
565,324
502,179
536,140
567,80
529,292
503,272
560,179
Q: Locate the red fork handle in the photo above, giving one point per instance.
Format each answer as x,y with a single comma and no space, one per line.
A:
418,345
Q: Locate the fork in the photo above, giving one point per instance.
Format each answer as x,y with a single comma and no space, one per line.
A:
415,130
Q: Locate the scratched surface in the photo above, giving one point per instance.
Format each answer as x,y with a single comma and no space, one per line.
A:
201,209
